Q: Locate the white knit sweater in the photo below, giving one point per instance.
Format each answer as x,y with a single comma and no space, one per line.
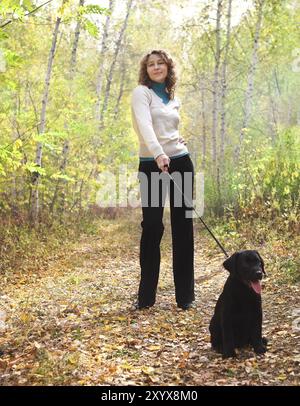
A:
156,124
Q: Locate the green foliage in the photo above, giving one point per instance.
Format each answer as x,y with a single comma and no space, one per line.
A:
91,28
15,9
270,172
13,59
33,168
291,269
10,158
92,9
62,176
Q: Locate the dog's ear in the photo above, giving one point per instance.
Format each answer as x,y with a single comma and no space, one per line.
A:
230,263
262,263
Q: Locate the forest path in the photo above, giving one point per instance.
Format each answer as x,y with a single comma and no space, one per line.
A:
74,323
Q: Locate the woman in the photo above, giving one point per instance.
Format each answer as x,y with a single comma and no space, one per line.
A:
155,119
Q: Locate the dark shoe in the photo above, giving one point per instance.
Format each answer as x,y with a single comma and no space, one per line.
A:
185,306
137,306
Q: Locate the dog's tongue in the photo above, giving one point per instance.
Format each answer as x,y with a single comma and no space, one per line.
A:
256,286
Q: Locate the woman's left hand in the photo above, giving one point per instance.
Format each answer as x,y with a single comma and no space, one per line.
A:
181,140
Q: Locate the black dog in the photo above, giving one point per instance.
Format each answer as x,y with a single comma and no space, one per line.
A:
237,321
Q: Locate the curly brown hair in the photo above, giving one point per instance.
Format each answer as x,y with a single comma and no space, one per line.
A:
171,78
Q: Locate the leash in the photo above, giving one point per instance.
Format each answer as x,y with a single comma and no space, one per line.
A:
186,200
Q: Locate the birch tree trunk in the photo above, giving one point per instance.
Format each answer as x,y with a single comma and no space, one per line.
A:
221,155
75,46
204,129
34,203
251,75
115,57
14,183
121,89
224,86
288,119
215,89
273,114
99,80
60,190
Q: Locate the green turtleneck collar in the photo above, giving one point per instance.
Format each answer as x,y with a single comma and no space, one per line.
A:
160,90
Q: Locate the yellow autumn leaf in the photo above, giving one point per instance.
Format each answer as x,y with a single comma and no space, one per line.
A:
126,366
154,347
25,317
18,143
73,359
148,370
121,318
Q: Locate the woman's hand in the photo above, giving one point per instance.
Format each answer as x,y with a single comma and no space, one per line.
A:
161,161
181,140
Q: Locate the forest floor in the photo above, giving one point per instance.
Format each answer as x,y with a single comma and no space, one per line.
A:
71,322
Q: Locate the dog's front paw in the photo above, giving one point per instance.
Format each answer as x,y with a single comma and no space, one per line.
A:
229,354
260,349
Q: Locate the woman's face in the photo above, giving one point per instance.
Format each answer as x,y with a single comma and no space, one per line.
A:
157,69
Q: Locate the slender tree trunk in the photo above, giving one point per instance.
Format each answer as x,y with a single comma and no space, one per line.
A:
122,82
251,75
34,209
276,81
99,80
221,158
78,197
272,116
75,46
204,129
216,89
288,119
114,61
224,88
60,190
14,185
216,102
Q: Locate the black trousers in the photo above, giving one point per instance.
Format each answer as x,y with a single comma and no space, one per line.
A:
153,228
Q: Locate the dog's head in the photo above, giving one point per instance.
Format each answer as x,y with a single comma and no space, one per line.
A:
247,266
